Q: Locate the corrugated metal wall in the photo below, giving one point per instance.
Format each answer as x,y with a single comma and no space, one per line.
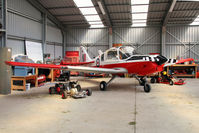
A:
25,22
93,39
182,41
54,34
146,40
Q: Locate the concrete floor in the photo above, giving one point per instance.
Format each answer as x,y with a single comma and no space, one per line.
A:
124,108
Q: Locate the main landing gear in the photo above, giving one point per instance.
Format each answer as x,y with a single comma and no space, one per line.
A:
143,82
147,88
103,84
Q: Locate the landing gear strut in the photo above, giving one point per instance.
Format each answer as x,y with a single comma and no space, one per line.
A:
143,82
103,84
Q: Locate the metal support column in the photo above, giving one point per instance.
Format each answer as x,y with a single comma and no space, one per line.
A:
110,37
44,29
3,22
63,43
163,41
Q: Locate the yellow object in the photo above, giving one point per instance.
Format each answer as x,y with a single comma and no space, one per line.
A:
164,73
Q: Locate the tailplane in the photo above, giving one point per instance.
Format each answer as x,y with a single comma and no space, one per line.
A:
84,55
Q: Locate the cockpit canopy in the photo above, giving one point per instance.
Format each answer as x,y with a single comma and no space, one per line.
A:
121,53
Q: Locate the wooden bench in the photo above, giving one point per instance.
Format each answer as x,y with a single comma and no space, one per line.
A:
24,79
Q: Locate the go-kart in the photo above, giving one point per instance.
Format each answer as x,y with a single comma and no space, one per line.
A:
167,80
72,89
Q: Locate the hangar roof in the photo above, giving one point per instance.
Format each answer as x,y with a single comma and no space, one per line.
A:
119,12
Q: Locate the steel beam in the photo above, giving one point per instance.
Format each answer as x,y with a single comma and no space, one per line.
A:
163,41
3,22
110,37
37,5
168,14
107,15
44,30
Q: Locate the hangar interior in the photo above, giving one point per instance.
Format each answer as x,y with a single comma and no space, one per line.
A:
166,27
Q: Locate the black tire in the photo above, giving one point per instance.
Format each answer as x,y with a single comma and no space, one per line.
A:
78,88
64,95
153,80
52,90
147,88
103,86
88,92
171,82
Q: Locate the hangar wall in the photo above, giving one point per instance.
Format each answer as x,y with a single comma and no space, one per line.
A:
147,40
182,41
25,23
92,39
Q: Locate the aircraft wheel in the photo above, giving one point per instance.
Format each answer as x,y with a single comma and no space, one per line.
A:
64,95
79,88
147,88
89,92
103,86
153,80
171,82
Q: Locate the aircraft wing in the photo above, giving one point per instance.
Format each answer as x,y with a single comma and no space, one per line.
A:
70,68
174,61
77,63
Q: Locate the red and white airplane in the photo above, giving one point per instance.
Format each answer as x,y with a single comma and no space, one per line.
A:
115,61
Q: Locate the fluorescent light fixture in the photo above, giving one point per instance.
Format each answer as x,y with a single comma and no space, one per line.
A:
88,10
139,12
83,3
101,7
140,8
139,24
139,21
139,16
196,21
172,5
92,18
139,2
97,26
97,22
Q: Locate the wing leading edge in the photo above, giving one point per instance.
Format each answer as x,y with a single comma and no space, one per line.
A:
70,68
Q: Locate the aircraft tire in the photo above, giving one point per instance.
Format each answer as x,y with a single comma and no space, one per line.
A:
103,86
147,88
89,92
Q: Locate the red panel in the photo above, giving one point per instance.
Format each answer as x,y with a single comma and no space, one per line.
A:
72,53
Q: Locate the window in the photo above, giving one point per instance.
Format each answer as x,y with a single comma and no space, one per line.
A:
112,55
102,57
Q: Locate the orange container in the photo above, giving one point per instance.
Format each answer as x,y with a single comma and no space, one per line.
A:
117,45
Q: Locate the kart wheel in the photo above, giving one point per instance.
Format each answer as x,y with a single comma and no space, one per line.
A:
147,88
78,88
89,92
103,86
171,82
52,90
153,80
64,95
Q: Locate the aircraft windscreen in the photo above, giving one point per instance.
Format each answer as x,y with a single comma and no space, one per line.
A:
126,52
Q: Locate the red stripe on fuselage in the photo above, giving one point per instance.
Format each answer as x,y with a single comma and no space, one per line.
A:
139,68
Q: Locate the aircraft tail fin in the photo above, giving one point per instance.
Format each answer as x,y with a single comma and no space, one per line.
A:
84,55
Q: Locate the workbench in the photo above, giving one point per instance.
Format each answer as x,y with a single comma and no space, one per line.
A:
183,67
23,79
